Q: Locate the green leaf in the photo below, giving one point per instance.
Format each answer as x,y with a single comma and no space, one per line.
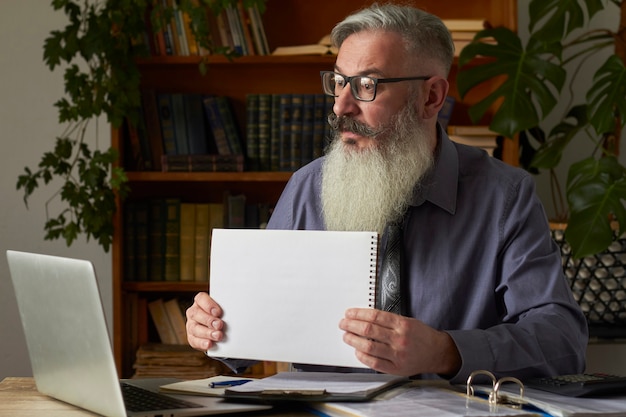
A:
606,95
550,152
596,189
553,20
528,86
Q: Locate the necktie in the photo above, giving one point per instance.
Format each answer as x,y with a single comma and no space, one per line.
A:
390,283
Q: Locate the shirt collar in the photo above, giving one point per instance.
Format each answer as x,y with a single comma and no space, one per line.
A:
440,185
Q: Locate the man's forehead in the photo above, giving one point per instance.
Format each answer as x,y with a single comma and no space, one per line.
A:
372,53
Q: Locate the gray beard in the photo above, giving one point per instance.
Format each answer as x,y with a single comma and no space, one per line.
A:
364,189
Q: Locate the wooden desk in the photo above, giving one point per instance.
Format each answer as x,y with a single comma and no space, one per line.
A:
19,397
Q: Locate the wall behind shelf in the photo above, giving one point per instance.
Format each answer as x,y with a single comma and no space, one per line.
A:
29,124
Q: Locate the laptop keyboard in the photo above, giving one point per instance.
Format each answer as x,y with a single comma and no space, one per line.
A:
139,399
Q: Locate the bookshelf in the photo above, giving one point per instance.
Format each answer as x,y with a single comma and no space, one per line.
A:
286,23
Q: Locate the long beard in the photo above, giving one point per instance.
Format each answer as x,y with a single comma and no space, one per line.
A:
364,189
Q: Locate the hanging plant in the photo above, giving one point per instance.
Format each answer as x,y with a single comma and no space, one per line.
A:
97,50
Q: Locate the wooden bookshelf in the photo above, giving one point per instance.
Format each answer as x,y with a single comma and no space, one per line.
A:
287,23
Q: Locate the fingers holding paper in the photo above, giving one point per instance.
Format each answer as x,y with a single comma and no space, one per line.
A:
204,323
398,345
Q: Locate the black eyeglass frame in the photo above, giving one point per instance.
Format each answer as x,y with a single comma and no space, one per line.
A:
376,81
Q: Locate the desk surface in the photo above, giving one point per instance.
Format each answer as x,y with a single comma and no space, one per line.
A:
19,397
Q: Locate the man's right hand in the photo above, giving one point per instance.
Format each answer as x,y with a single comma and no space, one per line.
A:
204,323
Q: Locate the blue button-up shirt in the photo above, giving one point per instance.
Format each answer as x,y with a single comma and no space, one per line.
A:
481,264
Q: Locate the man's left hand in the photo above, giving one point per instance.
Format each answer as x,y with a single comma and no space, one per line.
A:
399,345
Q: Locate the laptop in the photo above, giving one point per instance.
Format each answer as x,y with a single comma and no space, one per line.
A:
69,347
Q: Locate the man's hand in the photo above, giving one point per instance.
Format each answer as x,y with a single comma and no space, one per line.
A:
398,345
204,323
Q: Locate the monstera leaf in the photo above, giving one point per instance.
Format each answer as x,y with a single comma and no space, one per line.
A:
606,95
550,152
530,84
558,18
596,189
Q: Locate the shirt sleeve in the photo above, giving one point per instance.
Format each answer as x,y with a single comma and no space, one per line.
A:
543,330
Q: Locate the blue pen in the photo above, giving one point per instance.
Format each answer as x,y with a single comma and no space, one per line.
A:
231,383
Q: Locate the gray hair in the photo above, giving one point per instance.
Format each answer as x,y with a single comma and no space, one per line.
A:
424,33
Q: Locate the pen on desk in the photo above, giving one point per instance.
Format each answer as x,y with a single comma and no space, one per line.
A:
231,383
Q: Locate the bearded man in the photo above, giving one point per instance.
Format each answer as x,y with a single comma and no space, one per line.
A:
483,283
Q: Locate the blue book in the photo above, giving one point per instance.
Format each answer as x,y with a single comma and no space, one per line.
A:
197,132
166,120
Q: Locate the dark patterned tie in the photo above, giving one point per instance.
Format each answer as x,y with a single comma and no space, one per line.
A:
390,283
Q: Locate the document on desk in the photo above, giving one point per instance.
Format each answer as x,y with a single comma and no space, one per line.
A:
316,386
283,292
420,398
564,406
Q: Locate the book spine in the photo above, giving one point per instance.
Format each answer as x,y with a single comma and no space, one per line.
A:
319,125
308,114
232,19
284,148
141,217
172,240
192,43
329,102
161,322
216,125
180,30
275,132
166,118
236,205
153,128
130,244
246,28
295,141
133,159
176,319
230,125
187,241
252,131
260,29
168,35
224,29
157,234
202,163
197,133
264,131
180,123
175,163
202,239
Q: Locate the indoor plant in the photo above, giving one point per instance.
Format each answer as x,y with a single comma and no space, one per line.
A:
533,78
98,48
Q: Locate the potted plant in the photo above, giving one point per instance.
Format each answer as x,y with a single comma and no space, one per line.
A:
98,49
537,75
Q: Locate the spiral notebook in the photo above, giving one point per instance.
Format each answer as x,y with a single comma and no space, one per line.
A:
284,292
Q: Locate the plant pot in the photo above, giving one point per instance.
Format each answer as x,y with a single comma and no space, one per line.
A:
598,284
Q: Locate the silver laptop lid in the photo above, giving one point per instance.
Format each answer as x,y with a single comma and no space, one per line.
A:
69,347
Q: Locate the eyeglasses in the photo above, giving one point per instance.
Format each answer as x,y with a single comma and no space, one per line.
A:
363,88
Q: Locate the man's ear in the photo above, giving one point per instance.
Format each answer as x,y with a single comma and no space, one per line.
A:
436,91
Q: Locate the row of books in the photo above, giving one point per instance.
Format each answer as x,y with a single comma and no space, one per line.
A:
286,131
196,132
462,31
175,124
157,360
238,29
478,136
169,240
